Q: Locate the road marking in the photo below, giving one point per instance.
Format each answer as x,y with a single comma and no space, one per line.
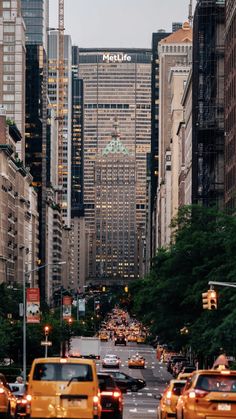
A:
151,411
133,410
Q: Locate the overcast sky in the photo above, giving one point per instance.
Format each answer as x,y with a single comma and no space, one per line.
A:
118,23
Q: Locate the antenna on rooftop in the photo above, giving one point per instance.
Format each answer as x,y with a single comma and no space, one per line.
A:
190,12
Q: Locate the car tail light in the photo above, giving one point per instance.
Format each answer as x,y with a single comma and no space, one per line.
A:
197,394
22,401
169,394
117,394
28,398
96,400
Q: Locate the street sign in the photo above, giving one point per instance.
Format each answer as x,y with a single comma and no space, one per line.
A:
46,343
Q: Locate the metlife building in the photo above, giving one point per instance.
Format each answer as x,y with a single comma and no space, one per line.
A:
117,84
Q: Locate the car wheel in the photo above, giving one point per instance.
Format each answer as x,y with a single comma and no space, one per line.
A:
134,387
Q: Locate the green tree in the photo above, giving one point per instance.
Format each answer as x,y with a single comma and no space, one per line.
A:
203,248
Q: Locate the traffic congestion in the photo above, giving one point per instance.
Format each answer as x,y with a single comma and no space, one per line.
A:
117,374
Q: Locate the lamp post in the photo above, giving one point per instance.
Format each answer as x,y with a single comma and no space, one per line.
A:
26,275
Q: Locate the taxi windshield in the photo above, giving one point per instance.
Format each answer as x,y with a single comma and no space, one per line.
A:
62,372
219,383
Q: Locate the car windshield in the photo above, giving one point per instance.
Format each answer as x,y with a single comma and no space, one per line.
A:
62,372
219,383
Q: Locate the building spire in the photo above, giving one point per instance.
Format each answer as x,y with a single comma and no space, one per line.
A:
190,12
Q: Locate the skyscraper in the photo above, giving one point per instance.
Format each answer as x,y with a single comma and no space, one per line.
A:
36,15
156,38
208,103
12,71
230,108
53,97
115,212
36,18
117,83
77,153
175,49
77,177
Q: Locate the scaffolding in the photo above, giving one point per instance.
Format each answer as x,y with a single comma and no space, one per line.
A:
208,104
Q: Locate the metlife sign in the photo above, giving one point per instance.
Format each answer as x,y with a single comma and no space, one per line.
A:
116,58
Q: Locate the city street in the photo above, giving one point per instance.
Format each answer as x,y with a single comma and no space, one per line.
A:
144,402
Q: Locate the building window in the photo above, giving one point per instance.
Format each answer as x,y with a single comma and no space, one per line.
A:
8,78
8,48
8,97
8,67
8,58
6,4
9,28
6,15
9,38
9,106
8,87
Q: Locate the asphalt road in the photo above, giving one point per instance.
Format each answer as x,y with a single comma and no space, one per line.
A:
142,404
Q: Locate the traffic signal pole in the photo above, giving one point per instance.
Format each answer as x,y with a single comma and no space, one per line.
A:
223,284
209,298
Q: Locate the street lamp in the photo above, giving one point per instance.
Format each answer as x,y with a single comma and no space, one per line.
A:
26,275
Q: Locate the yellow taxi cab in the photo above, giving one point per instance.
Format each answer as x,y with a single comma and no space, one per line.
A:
208,394
141,339
132,338
8,401
103,336
64,387
136,361
168,400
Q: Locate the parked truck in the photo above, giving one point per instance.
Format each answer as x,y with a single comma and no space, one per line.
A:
85,347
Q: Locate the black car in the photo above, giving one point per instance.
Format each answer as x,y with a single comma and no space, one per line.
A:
111,397
120,340
19,391
126,382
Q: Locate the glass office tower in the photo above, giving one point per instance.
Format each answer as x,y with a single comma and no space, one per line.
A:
115,218
36,15
117,84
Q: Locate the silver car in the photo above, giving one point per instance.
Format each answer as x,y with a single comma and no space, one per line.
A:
111,361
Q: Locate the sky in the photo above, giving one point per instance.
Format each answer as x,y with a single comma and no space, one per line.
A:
118,23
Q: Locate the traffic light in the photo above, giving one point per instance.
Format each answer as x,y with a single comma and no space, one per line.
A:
126,289
205,300
103,288
212,300
209,300
46,330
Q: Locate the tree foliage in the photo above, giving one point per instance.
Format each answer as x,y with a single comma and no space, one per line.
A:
203,249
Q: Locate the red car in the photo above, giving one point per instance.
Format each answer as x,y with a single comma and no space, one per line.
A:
111,397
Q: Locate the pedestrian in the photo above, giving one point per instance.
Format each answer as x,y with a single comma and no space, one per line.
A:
19,379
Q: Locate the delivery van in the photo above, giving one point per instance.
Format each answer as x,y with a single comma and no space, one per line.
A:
64,387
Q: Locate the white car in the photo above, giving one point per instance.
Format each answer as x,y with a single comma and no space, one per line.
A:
111,361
